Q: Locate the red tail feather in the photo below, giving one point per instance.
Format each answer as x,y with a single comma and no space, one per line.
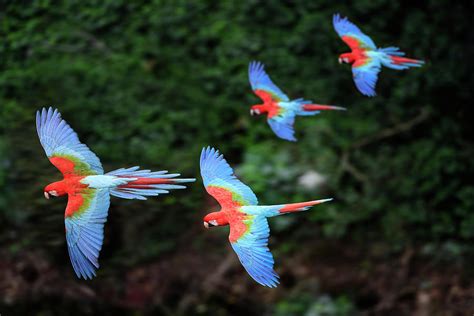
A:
318,107
402,60
303,206
142,183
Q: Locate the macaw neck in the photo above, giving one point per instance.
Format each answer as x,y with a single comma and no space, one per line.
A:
69,185
60,187
353,56
261,108
270,108
219,217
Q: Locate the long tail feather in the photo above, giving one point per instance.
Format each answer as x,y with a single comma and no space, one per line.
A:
303,206
397,60
145,183
319,107
308,108
393,59
275,210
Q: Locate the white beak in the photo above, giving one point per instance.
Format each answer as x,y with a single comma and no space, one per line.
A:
340,60
206,224
254,112
46,195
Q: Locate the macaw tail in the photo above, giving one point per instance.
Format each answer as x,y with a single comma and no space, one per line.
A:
395,60
145,183
275,210
319,107
298,207
308,108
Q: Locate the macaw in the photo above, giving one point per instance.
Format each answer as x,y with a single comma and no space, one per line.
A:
89,189
280,110
248,223
366,58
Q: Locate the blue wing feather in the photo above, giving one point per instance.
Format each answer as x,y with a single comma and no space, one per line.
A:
216,171
282,126
259,80
59,139
254,255
365,77
344,27
85,234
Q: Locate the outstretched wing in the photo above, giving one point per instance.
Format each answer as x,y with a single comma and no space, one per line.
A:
62,146
263,86
249,239
220,181
365,73
85,216
282,125
351,34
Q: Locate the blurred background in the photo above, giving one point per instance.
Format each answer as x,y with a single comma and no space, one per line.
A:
150,83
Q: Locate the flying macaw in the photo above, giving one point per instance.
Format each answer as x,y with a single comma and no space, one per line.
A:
366,58
89,189
280,110
248,223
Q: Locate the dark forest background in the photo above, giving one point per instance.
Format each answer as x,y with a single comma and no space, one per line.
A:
150,83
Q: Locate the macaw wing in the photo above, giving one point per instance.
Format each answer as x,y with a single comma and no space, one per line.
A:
249,239
263,86
282,126
85,216
365,73
220,181
351,34
62,146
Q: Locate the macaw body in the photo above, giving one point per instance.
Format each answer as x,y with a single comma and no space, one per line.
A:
89,189
280,110
366,59
249,230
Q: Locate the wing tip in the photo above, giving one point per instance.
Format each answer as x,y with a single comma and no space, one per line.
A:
255,69
207,154
337,18
46,114
369,93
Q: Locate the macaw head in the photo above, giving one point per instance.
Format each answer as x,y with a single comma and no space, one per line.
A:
346,58
215,219
258,109
54,189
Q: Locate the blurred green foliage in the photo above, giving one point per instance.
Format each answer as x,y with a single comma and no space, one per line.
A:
150,83
320,306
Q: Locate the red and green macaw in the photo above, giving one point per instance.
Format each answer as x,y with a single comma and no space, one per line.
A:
366,59
280,110
248,223
89,189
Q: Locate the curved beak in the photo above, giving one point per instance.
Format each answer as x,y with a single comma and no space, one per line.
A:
340,60
254,112
46,195
206,224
